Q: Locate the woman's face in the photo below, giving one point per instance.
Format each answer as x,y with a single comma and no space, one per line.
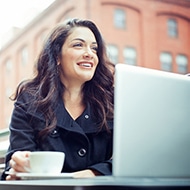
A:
78,57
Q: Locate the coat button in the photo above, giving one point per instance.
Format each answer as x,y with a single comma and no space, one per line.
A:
82,152
54,132
86,116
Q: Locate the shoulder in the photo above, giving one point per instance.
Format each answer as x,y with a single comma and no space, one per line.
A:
25,98
25,101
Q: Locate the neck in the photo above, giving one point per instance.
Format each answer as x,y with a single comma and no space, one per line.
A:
73,101
73,95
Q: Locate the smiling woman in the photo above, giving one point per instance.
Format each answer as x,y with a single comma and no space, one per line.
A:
79,58
68,105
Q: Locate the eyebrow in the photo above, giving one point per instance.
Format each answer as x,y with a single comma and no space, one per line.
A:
80,39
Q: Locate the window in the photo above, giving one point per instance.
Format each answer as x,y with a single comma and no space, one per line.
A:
8,66
24,56
166,61
8,93
172,28
130,56
7,121
113,53
119,18
182,62
43,37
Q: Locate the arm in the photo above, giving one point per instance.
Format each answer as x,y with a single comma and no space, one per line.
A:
104,168
19,163
21,136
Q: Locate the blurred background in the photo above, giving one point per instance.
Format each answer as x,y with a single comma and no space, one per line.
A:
146,33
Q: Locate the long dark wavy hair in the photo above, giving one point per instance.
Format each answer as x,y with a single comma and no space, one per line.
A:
46,86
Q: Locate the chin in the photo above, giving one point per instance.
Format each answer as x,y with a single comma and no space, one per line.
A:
86,79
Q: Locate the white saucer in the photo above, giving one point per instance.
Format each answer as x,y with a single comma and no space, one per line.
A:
42,175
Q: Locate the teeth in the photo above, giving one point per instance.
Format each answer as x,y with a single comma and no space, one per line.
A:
85,64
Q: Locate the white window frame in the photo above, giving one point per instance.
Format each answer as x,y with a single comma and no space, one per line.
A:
182,63
120,18
113,53
8,66
24,55
172,27
166,61
130,56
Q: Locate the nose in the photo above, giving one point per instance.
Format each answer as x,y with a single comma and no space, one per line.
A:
88,53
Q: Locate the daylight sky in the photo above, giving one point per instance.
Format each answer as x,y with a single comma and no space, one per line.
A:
19,12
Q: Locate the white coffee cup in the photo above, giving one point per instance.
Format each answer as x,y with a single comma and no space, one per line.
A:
46,161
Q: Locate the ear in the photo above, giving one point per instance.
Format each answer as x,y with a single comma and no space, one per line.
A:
58,61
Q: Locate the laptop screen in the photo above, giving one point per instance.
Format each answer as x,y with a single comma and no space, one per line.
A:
151,123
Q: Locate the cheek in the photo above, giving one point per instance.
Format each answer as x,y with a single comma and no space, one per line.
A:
74,55
68,56
96,60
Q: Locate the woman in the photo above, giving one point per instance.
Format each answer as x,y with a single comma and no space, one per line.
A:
68,105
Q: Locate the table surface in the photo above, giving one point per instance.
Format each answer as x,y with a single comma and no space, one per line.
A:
97,183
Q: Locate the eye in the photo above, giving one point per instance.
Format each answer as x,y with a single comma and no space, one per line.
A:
78,44
95,49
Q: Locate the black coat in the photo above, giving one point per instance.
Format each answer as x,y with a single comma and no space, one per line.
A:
79,139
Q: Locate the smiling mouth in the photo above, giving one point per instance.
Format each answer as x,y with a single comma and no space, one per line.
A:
86,65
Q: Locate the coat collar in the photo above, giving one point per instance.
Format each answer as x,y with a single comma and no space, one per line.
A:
86,123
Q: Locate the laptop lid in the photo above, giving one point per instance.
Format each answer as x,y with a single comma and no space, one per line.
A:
151,123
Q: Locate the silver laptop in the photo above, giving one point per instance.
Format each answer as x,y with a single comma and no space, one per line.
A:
152,123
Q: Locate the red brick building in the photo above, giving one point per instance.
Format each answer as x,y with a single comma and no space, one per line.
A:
147,33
